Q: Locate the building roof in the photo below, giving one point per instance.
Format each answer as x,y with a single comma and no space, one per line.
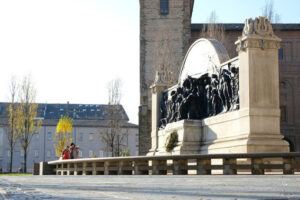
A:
239,27
83,114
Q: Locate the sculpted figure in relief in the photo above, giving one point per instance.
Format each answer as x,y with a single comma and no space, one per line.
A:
198,98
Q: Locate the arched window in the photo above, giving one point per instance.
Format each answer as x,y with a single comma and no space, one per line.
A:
280,53
292,146
164,6
91,153
91,136
283,114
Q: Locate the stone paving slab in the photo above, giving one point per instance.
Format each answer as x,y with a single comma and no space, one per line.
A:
150,187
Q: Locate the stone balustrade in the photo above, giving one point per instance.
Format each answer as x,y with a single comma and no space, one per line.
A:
227,164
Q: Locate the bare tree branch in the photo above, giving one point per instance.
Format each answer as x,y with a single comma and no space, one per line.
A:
213,29
269,12
112,136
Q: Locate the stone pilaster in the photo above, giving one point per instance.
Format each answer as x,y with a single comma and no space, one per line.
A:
259,86
75,169
157,91
46,169
84,165
94,165
106,168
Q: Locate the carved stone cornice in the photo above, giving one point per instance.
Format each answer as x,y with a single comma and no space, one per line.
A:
258,33
161,82
164,76
251,42
158,88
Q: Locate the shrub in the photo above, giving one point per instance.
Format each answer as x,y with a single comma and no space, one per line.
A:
173,139
125,152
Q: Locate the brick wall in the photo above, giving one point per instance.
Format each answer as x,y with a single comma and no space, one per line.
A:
154,28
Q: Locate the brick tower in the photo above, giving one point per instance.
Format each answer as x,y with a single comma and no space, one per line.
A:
165,32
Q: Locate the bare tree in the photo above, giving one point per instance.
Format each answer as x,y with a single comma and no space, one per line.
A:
114,92
11,132
28,125
163,62
213,29
113,137
269,12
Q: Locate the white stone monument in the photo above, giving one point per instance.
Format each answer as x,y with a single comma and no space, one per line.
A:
255,126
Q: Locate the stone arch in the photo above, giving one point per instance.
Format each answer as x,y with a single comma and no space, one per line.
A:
204,56
291,144
287,100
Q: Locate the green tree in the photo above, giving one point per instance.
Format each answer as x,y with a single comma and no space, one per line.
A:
63,134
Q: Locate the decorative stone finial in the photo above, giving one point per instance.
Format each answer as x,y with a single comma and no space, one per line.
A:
158,77
162,80
164,77
258,33
259,26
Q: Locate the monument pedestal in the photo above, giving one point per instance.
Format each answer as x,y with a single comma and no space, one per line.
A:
235,132
189,137
225,133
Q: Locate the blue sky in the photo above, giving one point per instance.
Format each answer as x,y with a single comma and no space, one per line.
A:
73,48
236,11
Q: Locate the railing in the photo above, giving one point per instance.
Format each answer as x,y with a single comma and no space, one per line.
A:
228,164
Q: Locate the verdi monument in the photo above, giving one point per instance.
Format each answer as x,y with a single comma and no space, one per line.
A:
221,105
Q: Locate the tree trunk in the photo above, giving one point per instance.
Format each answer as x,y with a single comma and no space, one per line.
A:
25,161
118,146
11,160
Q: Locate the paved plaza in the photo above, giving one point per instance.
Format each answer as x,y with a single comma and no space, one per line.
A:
150,187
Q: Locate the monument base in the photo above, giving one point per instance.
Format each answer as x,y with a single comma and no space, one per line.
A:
189,137
243,131
230,132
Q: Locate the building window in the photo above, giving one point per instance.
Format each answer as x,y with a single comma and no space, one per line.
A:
49,135
137,137
1,140
91,136
101,154
80,136
164,6
90,153
36,153
127,139
280,53
48,153
283,116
